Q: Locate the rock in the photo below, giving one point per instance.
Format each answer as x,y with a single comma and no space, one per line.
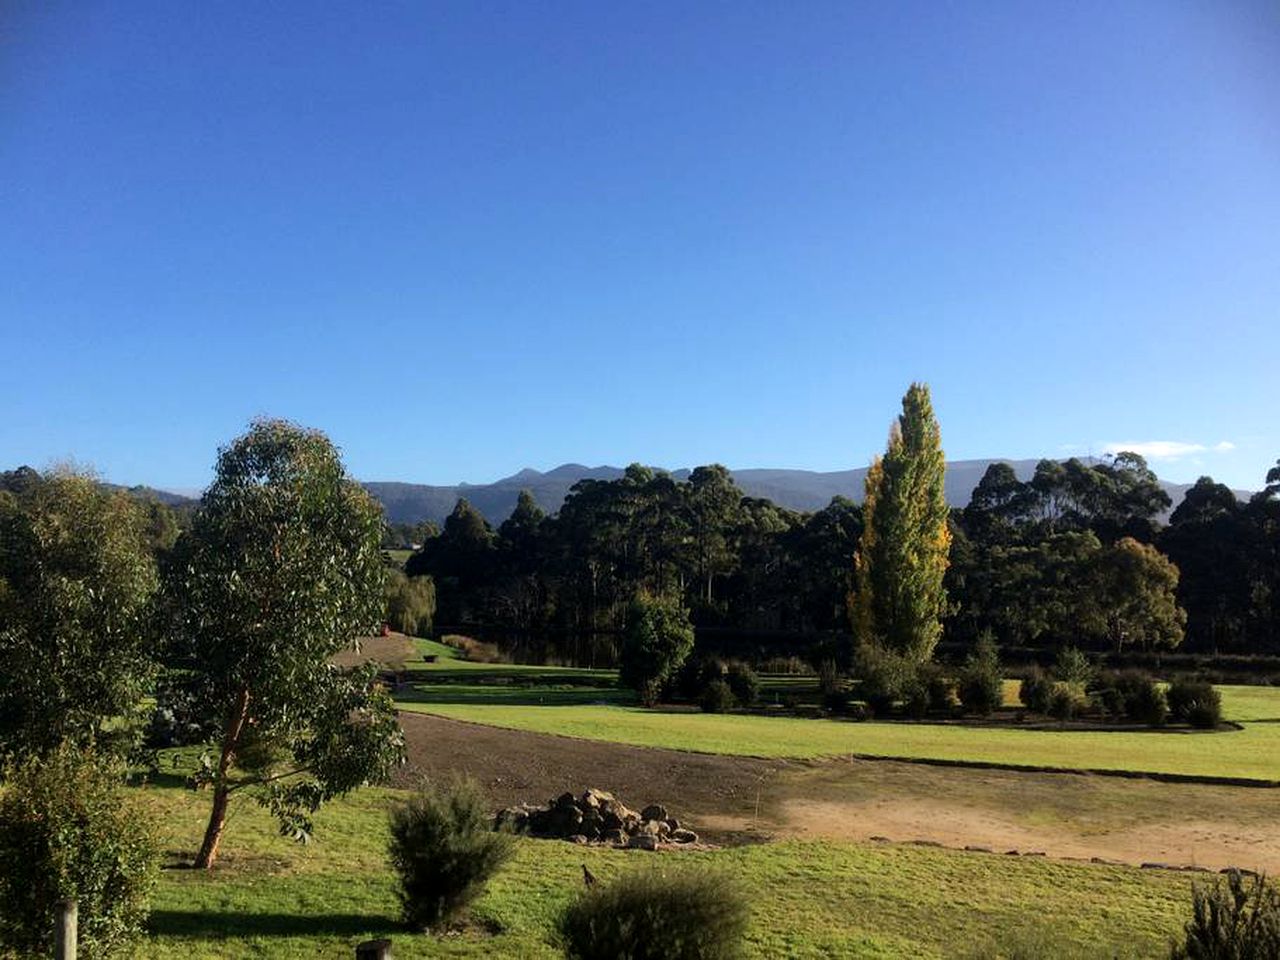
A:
592,824
630,823
880,839
673,823
681,835
654,811
1011,853
564,801
578,838
650,828
1156,866
614,836
596,799
643,841
973,849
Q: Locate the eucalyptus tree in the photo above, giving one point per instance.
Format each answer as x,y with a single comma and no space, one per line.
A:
280,571
77,580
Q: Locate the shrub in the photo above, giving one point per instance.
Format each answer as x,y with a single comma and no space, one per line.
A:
1065,701
743,682
1236,921
981,685
67,833
939,688
658,639
472,650
717,698
1035,690
1195,702
695,673
884,677
1132,694
1074,667
443,851
656,914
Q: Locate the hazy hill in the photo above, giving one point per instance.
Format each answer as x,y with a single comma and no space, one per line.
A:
797,489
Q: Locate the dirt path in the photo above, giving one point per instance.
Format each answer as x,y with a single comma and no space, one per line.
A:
740,799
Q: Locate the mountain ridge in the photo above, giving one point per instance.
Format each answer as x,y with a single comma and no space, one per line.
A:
805,490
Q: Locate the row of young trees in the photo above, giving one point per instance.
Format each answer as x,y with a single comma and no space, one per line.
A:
1076,554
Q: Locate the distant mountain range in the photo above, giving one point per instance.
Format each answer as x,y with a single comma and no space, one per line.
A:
797,489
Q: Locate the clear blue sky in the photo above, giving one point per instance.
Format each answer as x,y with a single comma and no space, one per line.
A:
464,238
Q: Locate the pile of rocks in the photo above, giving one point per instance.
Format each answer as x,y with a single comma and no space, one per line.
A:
596,817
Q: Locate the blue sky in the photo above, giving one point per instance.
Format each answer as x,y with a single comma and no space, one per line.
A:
468,238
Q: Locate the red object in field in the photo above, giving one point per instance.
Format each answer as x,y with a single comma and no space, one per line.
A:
386,629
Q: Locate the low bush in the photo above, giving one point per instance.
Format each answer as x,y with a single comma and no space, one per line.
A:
443,851
1235,920
695,673
656,914
717,698
1073,666
981,686
1035,690
473,650
1131,694
938,688
884,678
743,682
1195,702
1066,701
67,833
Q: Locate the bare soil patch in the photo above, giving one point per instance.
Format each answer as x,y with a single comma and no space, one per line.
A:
741,799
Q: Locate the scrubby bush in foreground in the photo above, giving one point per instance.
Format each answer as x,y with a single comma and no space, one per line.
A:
67,833
656,914
1195,702
443,851
1238,920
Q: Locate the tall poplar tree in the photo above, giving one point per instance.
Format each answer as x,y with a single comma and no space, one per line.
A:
899,597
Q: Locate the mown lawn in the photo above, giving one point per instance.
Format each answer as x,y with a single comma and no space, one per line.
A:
1253,752
272,898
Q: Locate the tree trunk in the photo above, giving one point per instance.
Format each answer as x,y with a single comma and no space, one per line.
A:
221,790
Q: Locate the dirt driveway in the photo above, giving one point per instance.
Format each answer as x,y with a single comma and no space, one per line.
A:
741,799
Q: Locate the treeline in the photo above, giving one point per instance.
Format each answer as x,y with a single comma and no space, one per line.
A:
1077,554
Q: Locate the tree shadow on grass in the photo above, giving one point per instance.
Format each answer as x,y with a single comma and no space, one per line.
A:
203,925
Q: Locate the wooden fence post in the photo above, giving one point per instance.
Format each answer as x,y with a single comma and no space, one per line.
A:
374,950
64,930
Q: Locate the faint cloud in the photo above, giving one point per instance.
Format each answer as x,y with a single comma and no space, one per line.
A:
1166,449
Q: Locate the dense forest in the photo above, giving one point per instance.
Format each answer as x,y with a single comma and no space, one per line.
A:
1075,554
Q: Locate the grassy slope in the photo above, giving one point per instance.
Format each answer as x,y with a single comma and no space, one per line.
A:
272,898
593,708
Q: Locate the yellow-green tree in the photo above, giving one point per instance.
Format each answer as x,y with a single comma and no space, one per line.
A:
899,598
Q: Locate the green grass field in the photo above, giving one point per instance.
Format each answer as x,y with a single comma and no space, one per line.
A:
588,704
269,897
